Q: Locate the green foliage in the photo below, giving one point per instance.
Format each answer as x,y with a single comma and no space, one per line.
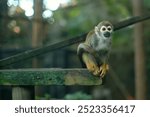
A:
45,97
118,9
147,3
78,96
73,20
75,96
123,39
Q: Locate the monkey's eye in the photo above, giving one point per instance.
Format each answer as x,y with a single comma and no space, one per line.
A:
109,28
103,28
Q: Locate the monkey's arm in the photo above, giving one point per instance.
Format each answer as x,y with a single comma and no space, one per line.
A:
87,56
91,63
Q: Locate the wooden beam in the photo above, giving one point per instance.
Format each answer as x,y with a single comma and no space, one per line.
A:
46,76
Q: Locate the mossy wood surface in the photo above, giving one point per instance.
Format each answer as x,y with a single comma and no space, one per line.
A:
46,76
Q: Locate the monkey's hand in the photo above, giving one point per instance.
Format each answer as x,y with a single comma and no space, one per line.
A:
103,69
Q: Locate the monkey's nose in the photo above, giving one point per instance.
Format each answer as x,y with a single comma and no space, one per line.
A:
107,34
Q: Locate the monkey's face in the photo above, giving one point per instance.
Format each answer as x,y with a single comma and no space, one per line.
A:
104,29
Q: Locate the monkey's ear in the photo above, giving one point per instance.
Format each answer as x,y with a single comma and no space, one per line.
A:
96,29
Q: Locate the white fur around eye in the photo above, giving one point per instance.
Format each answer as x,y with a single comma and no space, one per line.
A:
103,29
109,28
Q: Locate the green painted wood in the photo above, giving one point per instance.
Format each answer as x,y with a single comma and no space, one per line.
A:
46,76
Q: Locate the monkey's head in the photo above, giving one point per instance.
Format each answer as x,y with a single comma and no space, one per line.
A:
104,29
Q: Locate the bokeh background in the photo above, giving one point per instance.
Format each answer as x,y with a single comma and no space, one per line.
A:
28,24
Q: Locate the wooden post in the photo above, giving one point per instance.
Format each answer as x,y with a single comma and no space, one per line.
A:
37,37
37,26
37,29
140,69
22,93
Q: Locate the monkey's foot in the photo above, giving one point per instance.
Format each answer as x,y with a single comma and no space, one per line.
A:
103,70
93,68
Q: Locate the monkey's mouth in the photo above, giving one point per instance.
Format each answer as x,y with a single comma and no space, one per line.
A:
107,34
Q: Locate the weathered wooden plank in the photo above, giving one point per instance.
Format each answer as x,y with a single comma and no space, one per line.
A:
46,76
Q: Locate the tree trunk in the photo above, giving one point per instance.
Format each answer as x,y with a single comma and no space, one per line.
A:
140,70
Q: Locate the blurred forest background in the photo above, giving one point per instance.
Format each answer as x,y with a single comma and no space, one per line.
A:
27,24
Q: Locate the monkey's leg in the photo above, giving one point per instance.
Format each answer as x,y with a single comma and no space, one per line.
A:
103,69
91,64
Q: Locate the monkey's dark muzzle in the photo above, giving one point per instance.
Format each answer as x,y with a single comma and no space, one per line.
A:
107,34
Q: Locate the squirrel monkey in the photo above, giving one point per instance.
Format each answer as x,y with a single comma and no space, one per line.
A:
95,50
